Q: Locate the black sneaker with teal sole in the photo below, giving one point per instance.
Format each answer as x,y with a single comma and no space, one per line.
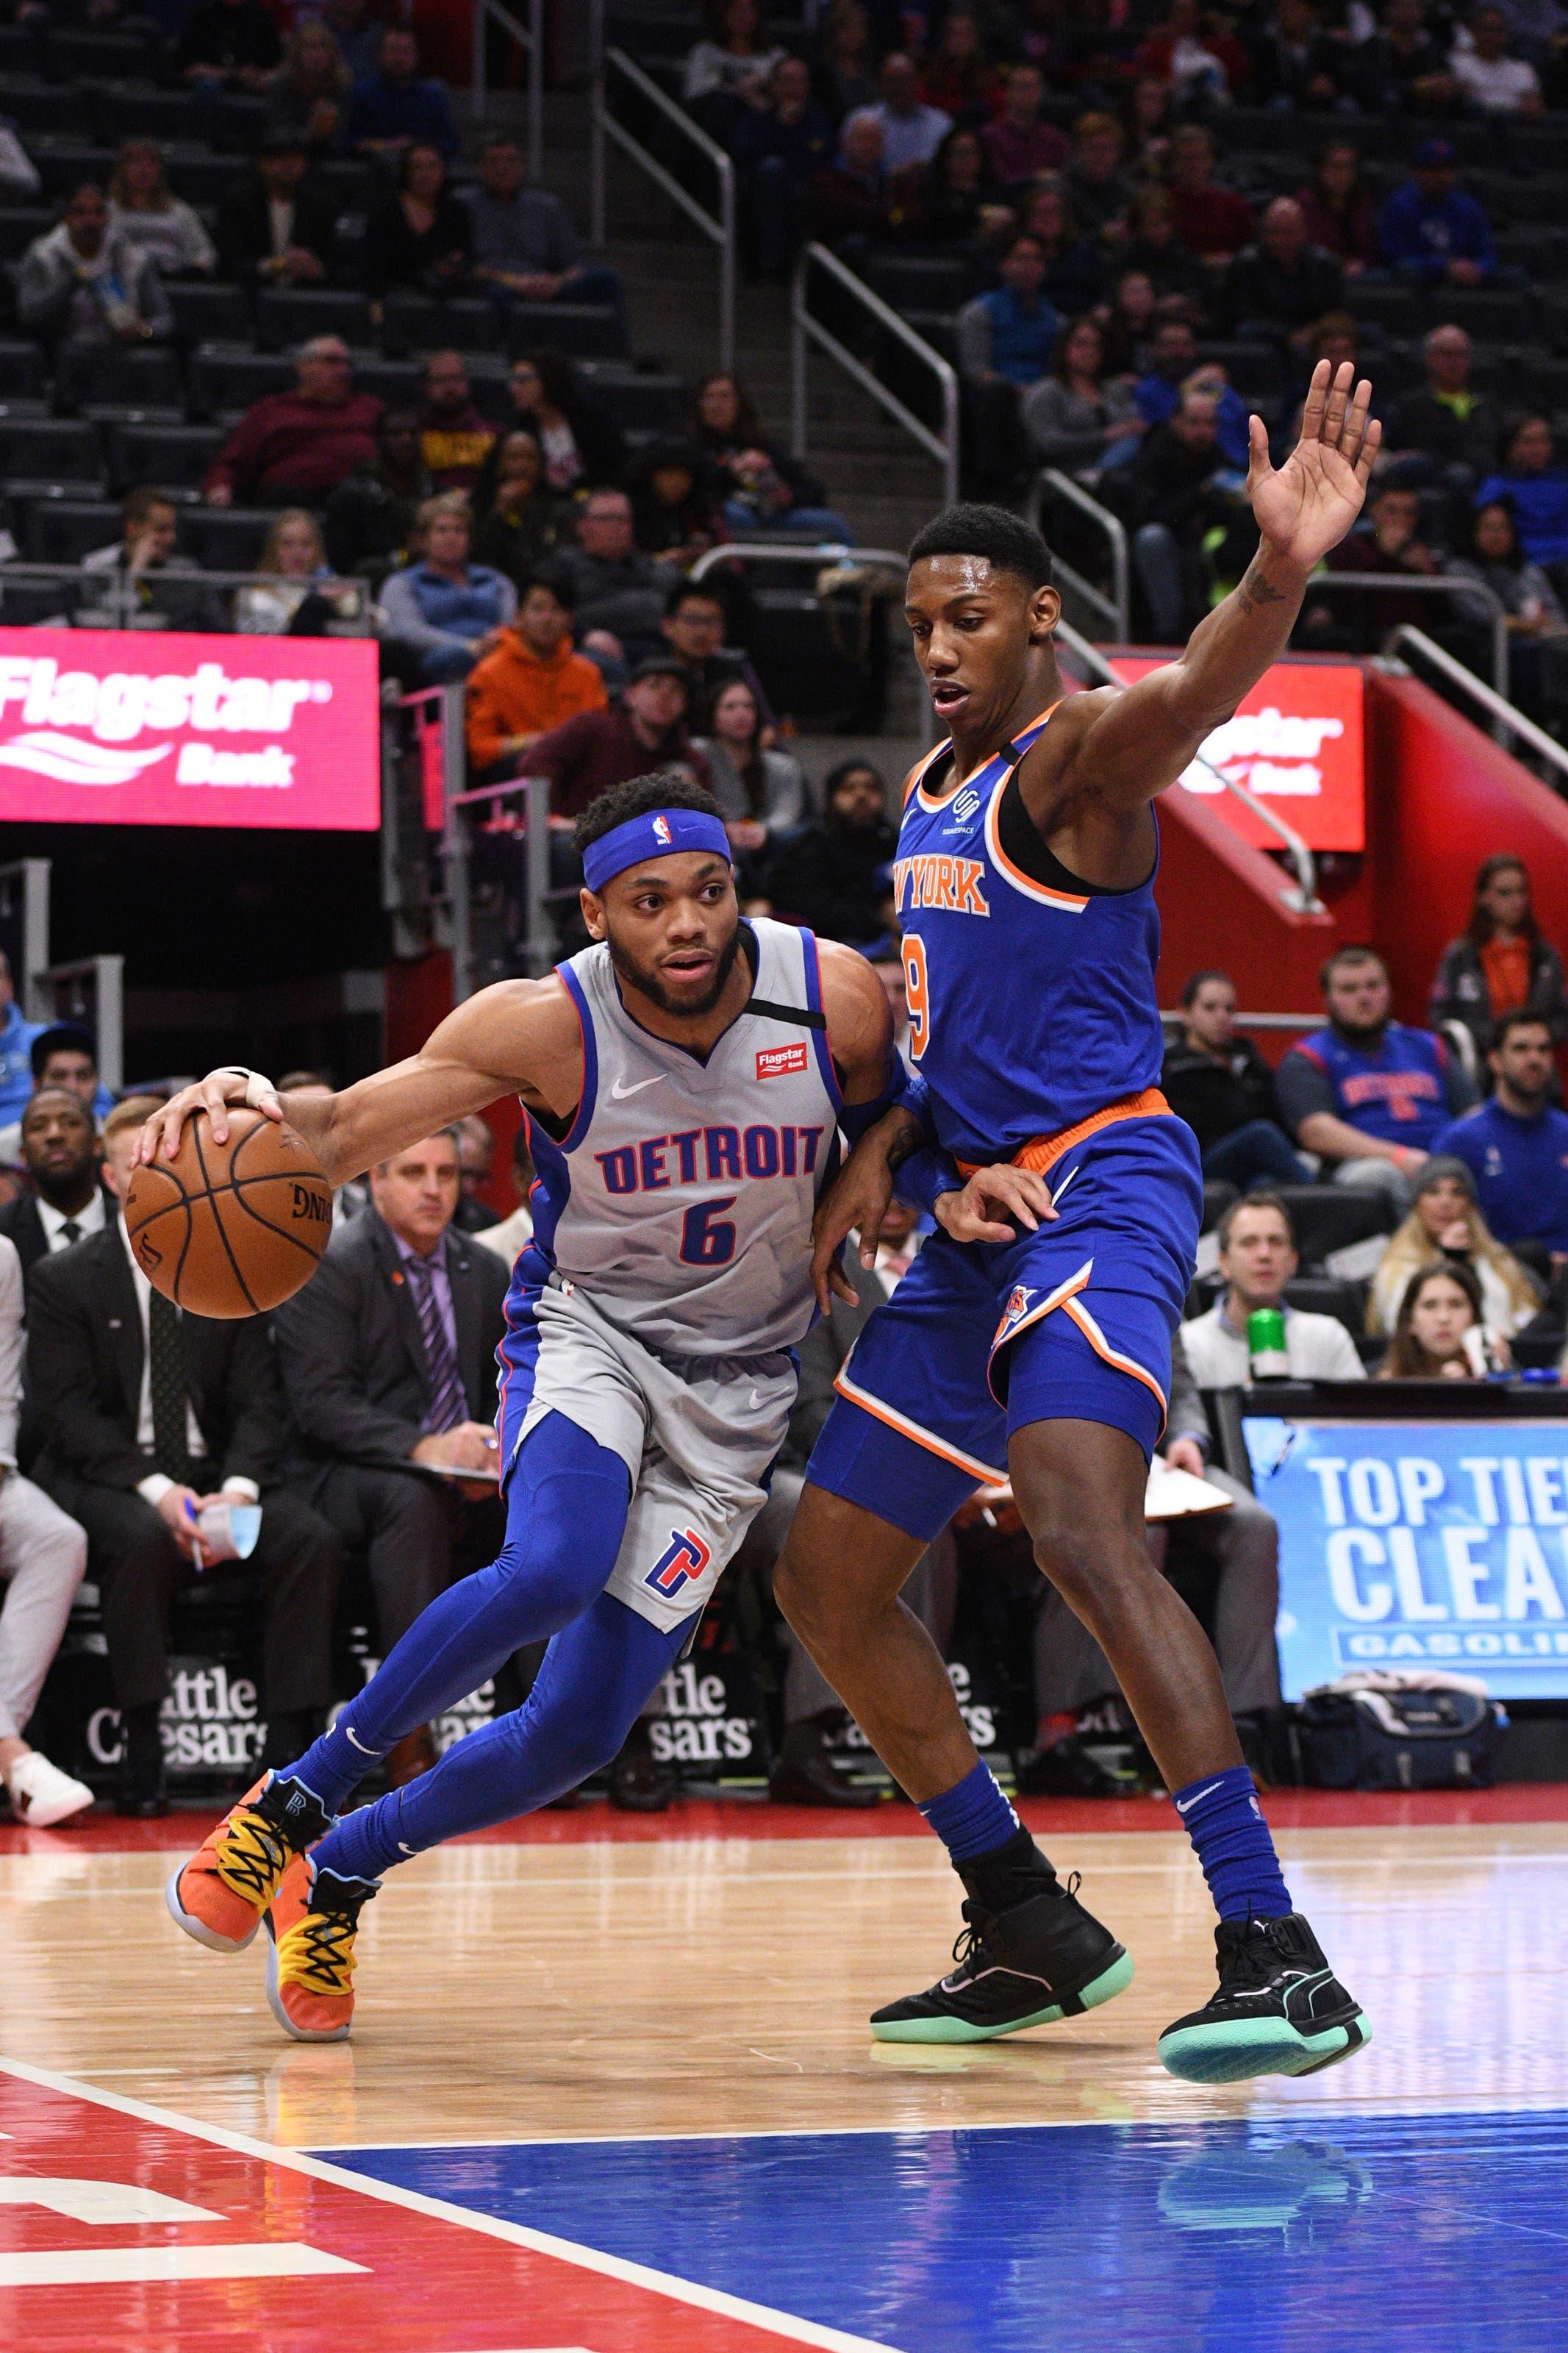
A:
1038,1962
1278,2009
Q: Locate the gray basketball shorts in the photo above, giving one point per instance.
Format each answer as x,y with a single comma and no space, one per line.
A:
696,1436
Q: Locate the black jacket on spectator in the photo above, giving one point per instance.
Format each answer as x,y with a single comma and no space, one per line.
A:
835,880
1460,992
1258,293
353,1357
436,260
1167,482
1214,1095
1421,421
245,229
22,1226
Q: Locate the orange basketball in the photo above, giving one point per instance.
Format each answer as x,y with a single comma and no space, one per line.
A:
229,1229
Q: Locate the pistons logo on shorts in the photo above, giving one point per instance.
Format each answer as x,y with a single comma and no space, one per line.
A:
682,1561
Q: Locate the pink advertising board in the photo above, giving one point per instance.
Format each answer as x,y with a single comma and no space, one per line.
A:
124,727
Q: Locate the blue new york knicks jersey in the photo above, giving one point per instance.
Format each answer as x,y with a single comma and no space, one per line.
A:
1032,1003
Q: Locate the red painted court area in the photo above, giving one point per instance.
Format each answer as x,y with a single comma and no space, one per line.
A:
119,2227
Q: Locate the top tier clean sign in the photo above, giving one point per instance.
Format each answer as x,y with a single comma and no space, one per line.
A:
125,728
1295,744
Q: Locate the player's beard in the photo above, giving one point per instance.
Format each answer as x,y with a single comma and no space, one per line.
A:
648,984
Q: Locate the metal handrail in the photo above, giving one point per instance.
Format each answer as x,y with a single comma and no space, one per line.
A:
720,228
804,330
1305,898
529,40
1117,607
1503,712
1475,590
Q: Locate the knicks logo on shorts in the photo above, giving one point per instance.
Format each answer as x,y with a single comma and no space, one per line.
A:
680,1564
1017,1307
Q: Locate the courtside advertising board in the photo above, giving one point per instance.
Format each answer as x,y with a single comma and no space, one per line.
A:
1296,744
127,727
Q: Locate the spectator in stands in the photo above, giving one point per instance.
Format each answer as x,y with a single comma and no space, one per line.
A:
1441,1308
1075,273
1152,246
1129,319
613,586
1283,283
952,202
274,230
583,444
957,76
761,792
1173,370
734,50
84,283
142,581
844,60
1150,116
531,680
911,130
1501,963
17,1036
849,199
446,610
1489,78
1006,340
1203,64
293,446
1402,69
476,1157
64,1054
308,96
1537,623
1256,1260
674,501
43,1555
152,219
524,246
1173,488
370,516
1211,221
454,437
106,1354
1445,1226
1076,418
1368,1095
693,627
515,1230
1216,1080
295,574
765,489
227,45
393,107
1388,540
644,728
1295,66
1443,419
388,1357
836,873
1434,232
357,32
59,1147
1515,1145
1535,487
419,238
1094,183
780,143
521,521
1020,144
1339,212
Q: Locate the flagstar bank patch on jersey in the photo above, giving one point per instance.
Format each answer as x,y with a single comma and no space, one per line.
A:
778,1061
682,1561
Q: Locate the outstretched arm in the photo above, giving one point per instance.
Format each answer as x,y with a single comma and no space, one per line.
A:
1121,748
520,1036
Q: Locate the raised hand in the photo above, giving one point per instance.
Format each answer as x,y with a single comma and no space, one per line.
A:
1307,507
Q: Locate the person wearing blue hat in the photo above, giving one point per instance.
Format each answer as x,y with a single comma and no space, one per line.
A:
1431,230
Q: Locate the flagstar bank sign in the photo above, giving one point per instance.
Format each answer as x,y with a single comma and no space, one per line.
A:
1295,744
126,728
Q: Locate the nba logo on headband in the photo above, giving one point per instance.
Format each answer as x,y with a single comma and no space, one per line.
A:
661,829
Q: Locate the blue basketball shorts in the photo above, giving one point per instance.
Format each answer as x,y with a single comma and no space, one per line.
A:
1070,1323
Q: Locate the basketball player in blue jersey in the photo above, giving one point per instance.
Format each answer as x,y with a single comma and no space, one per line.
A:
685,1079
1031,1339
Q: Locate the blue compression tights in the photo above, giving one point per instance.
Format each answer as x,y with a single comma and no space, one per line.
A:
567,1500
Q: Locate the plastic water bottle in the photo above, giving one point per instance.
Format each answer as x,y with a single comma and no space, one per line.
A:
1266,1344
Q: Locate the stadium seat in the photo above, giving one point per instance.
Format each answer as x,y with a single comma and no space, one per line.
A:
419,322
75,55
1332,1217
165,114
1218,1198
148,378
1490,313
225,376
36,106
1256,369
1319,1295
64,160
203,178
241,122
21,375
19,224
30,604
653,400
225,539
205,313
62,530
399,383
176,457
50,448
581,330
927,281
1396,309
288,316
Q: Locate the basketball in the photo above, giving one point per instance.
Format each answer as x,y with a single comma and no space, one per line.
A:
230,1229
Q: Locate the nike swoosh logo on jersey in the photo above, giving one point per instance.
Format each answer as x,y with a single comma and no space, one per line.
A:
1193,1801
618,1092
359,1743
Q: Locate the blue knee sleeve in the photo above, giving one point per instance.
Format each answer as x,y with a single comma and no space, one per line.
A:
596,1679
567,1500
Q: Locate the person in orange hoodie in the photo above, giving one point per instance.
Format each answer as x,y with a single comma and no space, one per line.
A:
532,680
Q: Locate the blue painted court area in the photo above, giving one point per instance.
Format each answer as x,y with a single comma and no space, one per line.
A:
1410,2234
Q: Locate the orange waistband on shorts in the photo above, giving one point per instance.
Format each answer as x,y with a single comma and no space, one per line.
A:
1042,1152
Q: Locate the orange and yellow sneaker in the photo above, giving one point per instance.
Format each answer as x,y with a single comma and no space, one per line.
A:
218,1897
311,1922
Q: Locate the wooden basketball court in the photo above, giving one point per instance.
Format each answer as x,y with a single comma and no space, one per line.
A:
611,2086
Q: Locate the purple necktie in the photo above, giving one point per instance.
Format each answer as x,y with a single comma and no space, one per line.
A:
449,1405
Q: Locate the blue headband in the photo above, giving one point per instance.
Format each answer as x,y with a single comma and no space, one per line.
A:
660,834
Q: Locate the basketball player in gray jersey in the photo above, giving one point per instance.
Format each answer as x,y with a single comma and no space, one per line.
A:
684,1079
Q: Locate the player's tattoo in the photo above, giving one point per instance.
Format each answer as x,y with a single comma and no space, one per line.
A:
905,1139
1259,589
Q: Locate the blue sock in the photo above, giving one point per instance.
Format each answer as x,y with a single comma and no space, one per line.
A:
1225,1821
596,1679
973,1819
567,1499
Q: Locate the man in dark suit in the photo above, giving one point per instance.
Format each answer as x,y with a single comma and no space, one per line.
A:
388,1357
67,1202
274,231
148,1415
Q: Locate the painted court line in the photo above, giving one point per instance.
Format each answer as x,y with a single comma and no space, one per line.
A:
689,2291
112,2267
